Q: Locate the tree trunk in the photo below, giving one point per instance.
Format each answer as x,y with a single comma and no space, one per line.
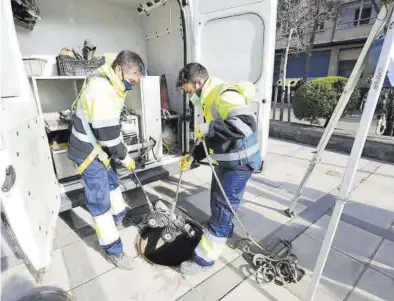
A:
275,102
283,91
390,114
308,57
327,121
288,103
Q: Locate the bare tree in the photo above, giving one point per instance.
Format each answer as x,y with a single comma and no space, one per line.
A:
322,10
294,27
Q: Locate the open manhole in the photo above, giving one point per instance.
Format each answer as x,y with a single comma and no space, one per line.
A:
172,254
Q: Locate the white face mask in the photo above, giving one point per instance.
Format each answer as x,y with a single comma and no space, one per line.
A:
195,99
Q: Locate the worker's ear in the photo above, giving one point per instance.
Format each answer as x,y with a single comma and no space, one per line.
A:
199,84
118,72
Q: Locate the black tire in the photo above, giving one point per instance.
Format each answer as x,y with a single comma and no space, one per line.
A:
47,293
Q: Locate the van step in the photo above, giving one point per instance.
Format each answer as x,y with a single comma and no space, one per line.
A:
76,198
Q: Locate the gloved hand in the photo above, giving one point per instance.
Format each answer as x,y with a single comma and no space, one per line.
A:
128,162
185,163
201,130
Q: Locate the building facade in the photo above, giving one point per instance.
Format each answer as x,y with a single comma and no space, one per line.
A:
338,43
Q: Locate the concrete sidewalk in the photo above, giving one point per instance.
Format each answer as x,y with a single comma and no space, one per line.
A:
360,265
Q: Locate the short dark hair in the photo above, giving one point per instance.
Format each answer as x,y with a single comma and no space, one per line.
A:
129,59
192,72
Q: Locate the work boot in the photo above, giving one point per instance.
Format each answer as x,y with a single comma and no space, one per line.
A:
191,268
128,220
122,261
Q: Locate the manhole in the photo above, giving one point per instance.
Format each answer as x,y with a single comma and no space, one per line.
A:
156,251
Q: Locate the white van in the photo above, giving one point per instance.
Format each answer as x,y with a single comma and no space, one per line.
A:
234,39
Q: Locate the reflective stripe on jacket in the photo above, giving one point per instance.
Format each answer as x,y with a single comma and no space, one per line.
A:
227,102
101,100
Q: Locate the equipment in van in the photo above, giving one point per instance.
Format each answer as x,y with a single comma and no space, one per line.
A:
26,13
79,61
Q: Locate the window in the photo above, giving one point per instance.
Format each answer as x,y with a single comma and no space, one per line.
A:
345,67
355,14
362,16
234,59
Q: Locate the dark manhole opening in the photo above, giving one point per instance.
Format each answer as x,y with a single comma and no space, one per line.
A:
155,250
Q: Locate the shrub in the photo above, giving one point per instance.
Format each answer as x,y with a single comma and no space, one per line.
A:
318,98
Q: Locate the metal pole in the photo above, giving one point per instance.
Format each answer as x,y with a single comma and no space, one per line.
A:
288,103
275,102
355,155
343,100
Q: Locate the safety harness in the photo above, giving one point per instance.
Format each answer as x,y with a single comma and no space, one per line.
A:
97,151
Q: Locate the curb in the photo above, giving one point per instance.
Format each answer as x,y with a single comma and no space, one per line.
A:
378,148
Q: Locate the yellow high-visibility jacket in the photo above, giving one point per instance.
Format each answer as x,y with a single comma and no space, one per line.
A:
101,101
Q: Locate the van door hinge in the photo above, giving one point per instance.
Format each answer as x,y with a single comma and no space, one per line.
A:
9,181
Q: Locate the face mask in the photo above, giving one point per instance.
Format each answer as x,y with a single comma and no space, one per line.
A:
127,85
195,99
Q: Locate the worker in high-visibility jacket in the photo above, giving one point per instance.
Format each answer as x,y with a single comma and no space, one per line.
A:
229,130
96,140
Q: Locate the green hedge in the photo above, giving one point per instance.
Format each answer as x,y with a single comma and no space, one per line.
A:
317,99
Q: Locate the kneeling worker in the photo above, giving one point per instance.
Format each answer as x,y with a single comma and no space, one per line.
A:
96,140
230,133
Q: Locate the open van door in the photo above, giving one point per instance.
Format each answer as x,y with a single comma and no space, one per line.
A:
235,40
29,194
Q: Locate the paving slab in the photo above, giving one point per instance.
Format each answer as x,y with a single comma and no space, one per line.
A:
17,281
90,291
386,170
340,274
384,259
277,146
197,205
288,172
226,257
351,240
77,218
90,250
380,217
78,264
9,258
259,221
84,259
251,291
276,201
373,286
80,267
219,284
64,235
144,282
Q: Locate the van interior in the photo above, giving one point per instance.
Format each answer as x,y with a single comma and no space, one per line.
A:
152,123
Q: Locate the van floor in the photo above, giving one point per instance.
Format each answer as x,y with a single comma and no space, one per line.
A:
72,193
360,268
